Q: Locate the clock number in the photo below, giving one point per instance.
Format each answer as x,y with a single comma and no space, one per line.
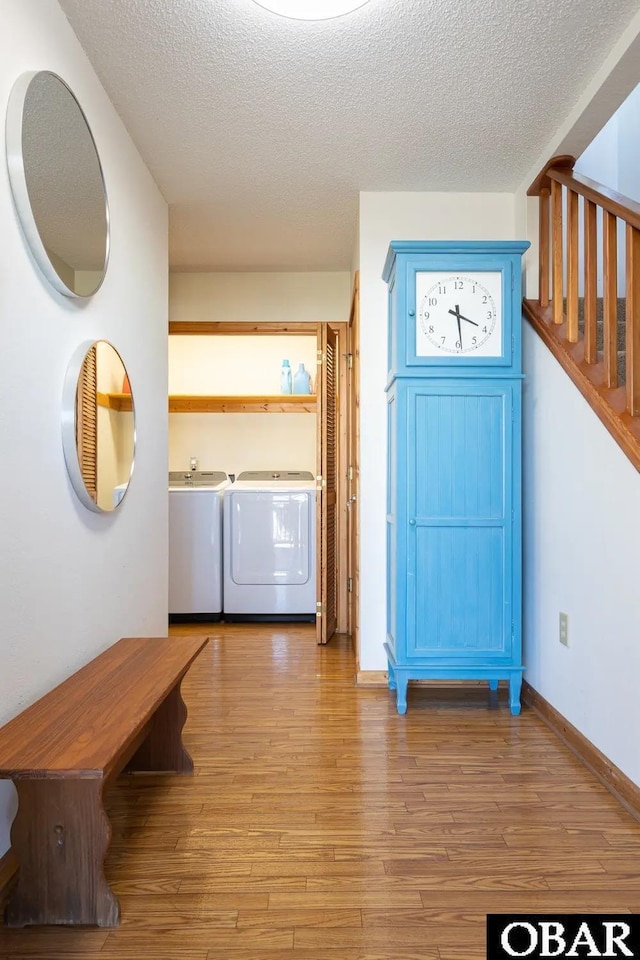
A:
458,285
484,330
444,339
431,330
433,301
426,314
489,315
458,345
485,299
474,340
442,288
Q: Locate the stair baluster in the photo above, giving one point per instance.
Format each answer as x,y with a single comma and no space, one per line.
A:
633,321
586,333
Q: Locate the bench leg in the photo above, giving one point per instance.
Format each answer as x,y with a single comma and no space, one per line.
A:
163,749
60,836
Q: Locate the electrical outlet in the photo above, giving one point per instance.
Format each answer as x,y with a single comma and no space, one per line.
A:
564,629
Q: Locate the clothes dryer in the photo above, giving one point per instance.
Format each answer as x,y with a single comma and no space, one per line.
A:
269,546
195,545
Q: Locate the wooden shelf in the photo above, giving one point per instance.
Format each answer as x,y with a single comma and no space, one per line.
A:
279,403
242,328
115,401
287,403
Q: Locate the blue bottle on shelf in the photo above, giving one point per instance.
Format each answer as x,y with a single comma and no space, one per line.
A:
301,380
285,377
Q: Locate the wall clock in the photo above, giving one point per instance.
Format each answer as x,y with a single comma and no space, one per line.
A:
459,313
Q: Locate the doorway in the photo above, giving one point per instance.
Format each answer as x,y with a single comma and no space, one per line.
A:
327,408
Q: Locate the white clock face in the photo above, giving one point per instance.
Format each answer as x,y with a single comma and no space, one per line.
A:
459,314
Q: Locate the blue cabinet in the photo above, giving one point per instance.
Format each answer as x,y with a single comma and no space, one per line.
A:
454,477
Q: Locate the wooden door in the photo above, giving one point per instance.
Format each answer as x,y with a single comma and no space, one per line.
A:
326,497
353,470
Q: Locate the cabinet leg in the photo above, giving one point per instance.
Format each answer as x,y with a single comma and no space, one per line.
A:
392,677
515,683
493,684
401,695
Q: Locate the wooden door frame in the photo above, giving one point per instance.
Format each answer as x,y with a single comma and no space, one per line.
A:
240,328
342,562
353,469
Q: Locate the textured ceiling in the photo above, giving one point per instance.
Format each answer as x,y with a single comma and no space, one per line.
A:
260,131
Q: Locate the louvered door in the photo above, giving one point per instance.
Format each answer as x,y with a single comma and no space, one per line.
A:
87,424
327,495
353,472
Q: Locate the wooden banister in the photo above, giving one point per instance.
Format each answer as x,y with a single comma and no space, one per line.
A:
543,181
610,200
578,313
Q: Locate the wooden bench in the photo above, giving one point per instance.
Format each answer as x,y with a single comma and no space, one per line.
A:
124,709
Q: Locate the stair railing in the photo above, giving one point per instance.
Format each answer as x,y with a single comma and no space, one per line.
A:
569,255
578,226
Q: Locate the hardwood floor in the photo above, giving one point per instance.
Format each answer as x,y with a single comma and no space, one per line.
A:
320,825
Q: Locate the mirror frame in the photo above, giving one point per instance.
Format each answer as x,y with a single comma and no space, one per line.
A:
18,181
68,423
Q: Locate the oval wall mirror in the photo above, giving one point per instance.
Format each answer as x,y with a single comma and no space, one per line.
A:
98,425
57,183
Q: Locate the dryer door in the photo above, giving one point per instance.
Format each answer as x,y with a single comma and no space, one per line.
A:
271,538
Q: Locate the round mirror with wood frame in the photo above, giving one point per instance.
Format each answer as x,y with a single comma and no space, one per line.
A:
98,426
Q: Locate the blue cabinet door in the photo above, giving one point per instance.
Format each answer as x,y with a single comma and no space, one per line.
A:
460,517
453,533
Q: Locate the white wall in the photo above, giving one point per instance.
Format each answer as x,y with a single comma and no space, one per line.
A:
385,217
600,160
260,297
236,365
234,442
581,536
73,582
629,146
612,160
612,156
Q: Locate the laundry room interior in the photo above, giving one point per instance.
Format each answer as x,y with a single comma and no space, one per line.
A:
228,365
231,418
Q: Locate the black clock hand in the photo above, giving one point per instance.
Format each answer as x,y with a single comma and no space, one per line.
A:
459,330
456,313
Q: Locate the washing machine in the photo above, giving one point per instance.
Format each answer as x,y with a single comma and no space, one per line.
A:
269,546
195,544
